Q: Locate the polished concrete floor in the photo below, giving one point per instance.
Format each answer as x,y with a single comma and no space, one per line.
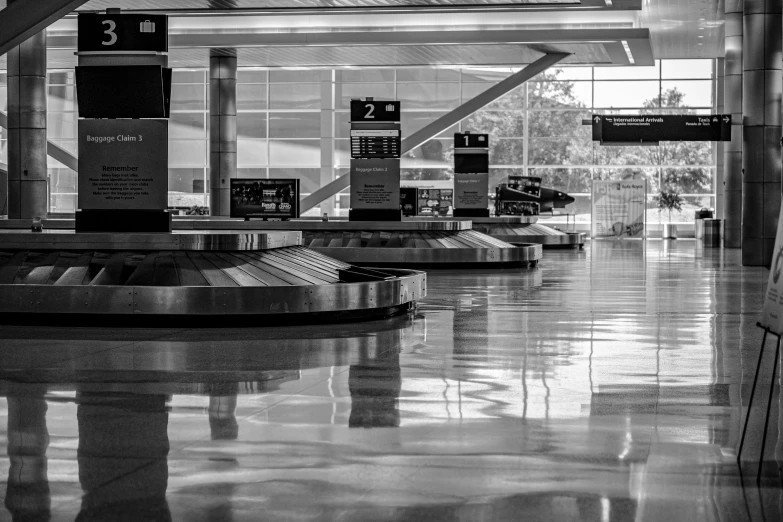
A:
605,385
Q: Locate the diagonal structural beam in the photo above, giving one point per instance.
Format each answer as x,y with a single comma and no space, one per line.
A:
441,124
21,20
52,149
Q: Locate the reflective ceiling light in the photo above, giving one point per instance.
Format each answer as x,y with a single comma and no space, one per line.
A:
628,52
609,3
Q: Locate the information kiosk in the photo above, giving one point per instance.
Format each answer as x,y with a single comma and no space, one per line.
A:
471,175
375,160
123,88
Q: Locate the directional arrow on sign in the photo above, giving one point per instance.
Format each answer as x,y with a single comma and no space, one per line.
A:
726,119
598,119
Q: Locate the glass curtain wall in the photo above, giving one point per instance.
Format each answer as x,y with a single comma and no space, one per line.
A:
535,130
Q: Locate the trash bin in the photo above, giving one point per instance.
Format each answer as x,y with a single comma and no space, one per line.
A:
712,232
701,215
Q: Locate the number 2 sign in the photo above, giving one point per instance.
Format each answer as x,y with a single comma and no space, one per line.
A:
375,110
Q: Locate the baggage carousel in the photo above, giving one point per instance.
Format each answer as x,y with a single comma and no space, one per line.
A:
442,243
527,229
265,276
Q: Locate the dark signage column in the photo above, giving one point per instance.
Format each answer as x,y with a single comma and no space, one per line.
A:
471,175
375,160
123,88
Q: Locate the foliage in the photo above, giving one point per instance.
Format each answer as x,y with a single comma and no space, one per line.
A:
562,146
669,200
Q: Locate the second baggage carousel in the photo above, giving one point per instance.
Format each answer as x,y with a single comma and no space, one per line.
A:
443,243
527,229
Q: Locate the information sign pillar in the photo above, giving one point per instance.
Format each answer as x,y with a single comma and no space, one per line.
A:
375,160
471,175
123,90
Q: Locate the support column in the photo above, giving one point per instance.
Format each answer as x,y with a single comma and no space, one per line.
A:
327,136
762,82
27,183
732,210
222,129
719,148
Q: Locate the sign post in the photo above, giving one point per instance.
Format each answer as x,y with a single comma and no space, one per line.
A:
471,175
123,89
375,160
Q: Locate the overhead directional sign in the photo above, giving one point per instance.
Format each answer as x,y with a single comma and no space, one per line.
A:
654,128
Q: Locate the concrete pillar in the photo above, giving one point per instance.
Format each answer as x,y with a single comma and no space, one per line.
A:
719,148
27,184
222,129
327,136
732,174
762,86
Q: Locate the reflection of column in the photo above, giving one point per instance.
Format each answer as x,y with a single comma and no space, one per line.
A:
762,85
375,389
222,128
27,186
733,105
27,495
222,411
122,454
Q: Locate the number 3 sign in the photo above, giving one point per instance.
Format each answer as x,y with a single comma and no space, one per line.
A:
123,32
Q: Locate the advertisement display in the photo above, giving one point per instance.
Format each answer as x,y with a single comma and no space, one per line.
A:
265,198
375,184
408,201
772,314
619,208
471,191
435,202
123,164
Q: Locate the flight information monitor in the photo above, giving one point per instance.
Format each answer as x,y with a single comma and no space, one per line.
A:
375,143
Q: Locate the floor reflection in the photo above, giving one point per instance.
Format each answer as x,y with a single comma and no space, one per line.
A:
606,385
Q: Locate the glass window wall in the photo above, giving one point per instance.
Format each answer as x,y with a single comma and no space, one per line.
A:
285,128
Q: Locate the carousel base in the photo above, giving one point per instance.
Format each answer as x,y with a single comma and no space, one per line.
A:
261,277
526,229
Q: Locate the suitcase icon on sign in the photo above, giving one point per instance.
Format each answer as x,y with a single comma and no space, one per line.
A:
147,27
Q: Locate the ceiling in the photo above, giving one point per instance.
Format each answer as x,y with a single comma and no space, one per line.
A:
313,33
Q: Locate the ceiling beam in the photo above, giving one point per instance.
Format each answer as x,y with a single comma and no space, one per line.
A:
21,20
444,122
